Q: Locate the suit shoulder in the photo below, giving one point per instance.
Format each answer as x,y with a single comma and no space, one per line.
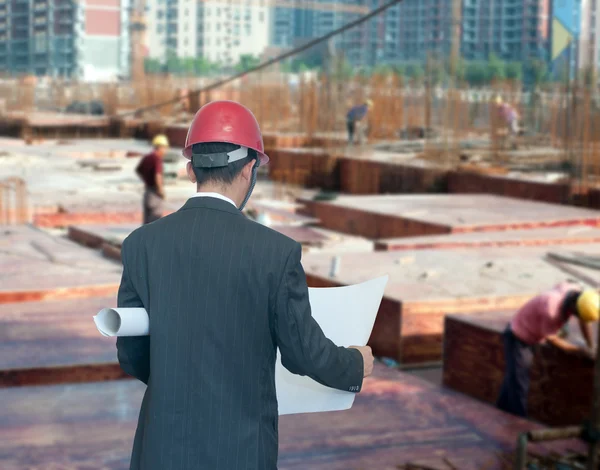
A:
273,236
143,231
136,235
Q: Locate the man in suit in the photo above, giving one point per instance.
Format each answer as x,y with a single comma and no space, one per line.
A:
222,293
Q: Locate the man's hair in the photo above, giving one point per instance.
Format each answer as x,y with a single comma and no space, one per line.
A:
570,302
226,174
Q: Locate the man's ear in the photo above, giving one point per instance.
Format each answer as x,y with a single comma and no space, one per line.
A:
190,172
247,170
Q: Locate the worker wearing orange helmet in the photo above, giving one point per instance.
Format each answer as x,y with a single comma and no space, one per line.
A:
223,294
539,320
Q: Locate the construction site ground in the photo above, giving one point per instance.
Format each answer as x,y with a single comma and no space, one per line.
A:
478,255
396,419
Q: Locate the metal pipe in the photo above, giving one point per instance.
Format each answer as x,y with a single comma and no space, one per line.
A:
554,434
521,457
539,435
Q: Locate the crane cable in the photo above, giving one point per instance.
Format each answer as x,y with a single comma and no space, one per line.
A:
267,63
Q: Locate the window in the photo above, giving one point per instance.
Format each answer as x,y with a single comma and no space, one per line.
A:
40,43
218,26
261,17
159,28
218,12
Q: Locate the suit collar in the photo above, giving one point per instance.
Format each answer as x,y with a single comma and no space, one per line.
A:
210,203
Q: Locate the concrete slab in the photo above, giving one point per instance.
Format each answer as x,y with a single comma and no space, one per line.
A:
399,216
520,185
396,419
511,238
55,342
561,384
37,266
425,285
312,239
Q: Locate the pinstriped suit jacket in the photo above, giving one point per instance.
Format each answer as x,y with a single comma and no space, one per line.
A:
222,293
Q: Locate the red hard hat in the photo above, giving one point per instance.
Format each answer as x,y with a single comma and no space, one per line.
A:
225,121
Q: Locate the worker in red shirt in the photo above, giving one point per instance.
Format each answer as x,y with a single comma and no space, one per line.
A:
150,171
540,320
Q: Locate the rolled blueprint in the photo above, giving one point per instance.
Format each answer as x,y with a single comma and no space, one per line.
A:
345,314
123,322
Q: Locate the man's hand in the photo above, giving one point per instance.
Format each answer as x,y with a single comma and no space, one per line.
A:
368,359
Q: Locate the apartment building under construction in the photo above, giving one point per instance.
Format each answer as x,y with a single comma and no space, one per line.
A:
85,39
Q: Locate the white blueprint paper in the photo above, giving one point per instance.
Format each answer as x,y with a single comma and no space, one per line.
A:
346,316
123,322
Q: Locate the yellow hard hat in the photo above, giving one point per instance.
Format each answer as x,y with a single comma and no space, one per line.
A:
369,103
588,305
160,141
498,99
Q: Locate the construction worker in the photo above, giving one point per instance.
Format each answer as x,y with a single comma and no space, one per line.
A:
356,121
150,171
509,116
540,320
223,293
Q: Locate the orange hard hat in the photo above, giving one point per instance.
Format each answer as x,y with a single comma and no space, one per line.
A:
225,121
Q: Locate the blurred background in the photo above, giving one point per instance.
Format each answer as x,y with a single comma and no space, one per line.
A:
452,144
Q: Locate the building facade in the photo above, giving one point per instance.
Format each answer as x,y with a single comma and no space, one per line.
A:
221,32
64,38
513,30
292,26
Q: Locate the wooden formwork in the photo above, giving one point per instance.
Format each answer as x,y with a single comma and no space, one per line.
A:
14,209
561,383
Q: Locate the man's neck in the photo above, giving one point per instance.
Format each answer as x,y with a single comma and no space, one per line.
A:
219,189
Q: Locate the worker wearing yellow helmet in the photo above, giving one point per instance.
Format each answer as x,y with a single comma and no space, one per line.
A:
150,171
540,320
355,121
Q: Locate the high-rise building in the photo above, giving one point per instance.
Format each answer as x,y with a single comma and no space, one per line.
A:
513,30
221,32
84,39
423,29
292,27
